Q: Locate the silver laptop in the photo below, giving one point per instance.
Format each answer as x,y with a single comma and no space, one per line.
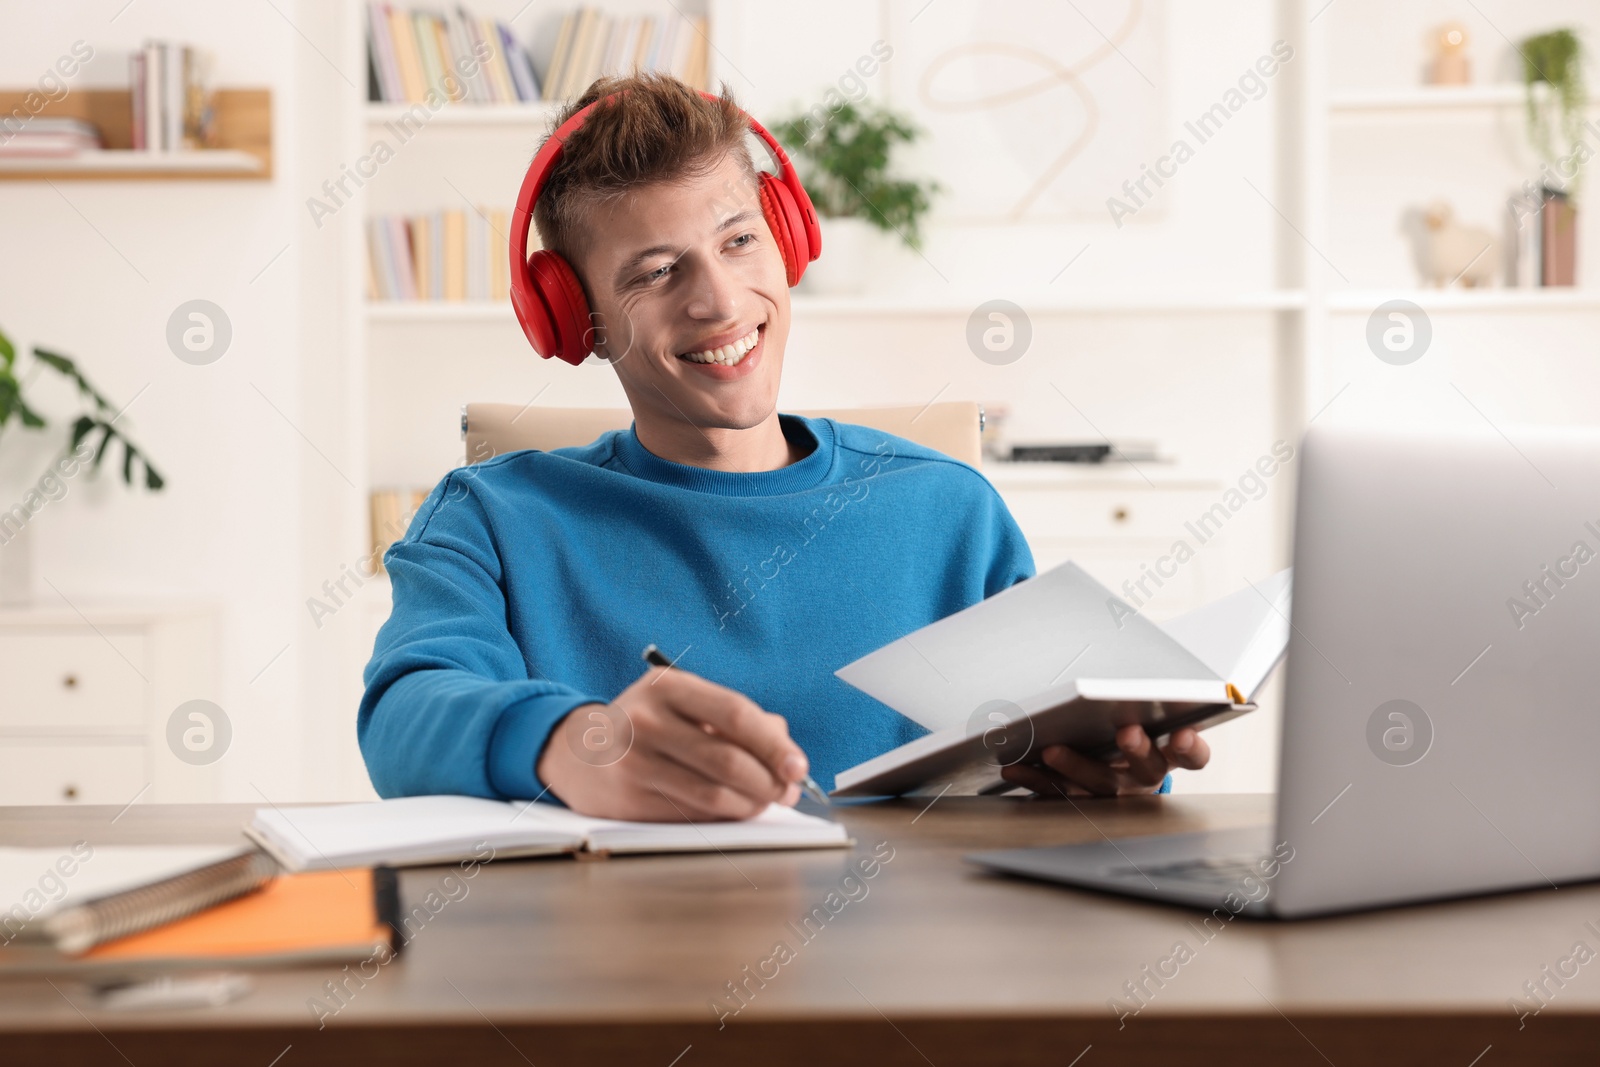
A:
1442,706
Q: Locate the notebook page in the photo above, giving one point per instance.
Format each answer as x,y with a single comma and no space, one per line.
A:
405,830
776,827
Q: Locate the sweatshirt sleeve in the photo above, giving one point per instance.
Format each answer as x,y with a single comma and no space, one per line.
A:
1010,559
450,704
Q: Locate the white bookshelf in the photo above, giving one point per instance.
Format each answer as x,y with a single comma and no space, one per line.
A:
1339,94
413,311
1436,101
123,162
531,114
806,305
1427,100
1554,298
1466,144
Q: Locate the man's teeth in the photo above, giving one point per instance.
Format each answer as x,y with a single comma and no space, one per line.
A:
727,355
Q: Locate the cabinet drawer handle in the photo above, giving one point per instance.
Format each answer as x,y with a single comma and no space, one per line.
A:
70,681
69,792
1119,514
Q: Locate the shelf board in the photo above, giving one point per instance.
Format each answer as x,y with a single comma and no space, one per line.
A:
805,305
536,113
243,136
1554,298
1078,303
1428,99
440,311
127,163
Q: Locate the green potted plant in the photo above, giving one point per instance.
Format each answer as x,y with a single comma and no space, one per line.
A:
1554,61
845,163
98,418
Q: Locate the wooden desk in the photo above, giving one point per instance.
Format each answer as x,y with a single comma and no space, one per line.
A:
555,962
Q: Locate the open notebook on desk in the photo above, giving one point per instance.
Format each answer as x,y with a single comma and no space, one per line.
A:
1059,659
418,831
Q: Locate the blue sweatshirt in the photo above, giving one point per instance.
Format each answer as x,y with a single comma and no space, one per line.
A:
528,584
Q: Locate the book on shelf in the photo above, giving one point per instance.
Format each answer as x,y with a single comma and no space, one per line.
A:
454,55
170,97
1542,238
51,137
590,44
1558,239
443,255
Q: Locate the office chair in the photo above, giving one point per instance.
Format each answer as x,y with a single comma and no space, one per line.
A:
954,427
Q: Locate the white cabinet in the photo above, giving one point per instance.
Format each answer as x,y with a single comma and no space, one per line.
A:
1121,527
86,702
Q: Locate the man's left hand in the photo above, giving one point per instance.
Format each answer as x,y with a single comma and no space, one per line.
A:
1139,767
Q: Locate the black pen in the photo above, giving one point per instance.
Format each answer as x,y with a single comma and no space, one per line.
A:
654,655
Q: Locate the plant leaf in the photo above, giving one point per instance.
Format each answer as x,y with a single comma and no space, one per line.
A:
105,439
70,369
80,429
30,418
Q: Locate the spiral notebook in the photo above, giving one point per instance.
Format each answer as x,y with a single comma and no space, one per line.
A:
76,896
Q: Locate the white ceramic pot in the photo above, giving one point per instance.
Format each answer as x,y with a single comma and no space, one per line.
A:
846,263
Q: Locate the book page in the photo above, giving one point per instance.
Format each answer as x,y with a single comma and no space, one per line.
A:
1040,633
1242,636
404,830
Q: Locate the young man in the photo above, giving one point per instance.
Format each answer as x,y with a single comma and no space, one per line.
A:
760,551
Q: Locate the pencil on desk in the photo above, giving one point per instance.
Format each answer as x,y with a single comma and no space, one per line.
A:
655,656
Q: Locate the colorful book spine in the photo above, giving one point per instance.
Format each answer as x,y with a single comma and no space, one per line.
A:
409,61
418,55
451,255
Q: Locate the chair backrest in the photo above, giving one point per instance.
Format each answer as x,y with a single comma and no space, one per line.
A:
954,427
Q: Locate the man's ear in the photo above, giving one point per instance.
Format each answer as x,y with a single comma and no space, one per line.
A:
614,334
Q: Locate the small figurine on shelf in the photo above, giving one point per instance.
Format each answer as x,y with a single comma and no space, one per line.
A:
1450,65
1446,251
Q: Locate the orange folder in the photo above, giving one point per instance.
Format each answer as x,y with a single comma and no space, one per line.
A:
312,918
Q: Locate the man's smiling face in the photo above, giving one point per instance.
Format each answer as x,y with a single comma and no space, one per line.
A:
688,285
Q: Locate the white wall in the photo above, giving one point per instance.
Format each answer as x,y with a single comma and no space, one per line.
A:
93,269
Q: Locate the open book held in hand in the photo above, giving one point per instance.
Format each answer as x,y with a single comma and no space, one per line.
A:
1059,659
423,831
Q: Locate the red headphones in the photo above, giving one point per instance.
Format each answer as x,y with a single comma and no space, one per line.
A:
545,291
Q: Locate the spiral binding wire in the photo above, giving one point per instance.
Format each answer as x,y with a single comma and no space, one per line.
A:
79,928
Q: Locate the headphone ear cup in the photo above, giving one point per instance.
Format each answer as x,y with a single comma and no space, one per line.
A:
559,326
787,225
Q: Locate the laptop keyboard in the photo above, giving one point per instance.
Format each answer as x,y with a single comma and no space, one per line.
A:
1213,870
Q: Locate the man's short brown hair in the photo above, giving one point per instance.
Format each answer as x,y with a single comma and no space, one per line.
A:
659,130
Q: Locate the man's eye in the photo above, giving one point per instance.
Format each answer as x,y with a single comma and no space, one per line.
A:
659,273
742,240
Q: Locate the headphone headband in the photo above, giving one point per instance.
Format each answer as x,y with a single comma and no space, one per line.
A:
792,218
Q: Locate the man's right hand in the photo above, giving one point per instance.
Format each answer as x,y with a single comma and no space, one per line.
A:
672,747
